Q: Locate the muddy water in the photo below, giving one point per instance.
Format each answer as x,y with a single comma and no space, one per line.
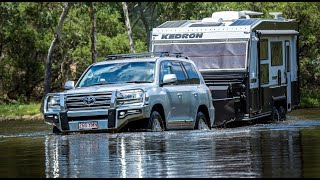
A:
283,149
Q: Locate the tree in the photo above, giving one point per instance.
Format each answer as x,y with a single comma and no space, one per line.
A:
127,20
53,45
93,32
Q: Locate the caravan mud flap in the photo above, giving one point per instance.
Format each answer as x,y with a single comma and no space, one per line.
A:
224,109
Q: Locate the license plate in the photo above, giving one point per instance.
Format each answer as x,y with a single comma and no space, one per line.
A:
88,125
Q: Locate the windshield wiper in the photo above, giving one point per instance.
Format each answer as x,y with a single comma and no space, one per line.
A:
138,82
102,83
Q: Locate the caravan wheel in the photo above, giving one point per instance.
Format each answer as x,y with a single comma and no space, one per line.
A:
275,114
282,113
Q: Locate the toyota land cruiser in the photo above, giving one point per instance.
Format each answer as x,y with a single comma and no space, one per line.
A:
152,91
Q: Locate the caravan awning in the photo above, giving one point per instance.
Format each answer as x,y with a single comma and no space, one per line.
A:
278,32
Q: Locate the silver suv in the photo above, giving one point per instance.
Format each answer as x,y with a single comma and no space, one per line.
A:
149,91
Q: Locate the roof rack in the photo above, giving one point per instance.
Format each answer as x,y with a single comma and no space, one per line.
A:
143,54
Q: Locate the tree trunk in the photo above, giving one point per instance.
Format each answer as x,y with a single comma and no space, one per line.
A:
57,36
145,23
127,20
53,45
93,33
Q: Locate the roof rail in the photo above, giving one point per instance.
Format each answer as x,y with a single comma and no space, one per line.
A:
143,54
134,55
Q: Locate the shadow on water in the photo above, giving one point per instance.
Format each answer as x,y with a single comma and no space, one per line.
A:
283,149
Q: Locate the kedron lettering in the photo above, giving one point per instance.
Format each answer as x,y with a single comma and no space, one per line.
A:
182,36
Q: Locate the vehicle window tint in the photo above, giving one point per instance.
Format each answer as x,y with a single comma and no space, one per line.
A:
177,69
165,68
192,73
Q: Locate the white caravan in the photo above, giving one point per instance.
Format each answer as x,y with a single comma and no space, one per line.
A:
250,64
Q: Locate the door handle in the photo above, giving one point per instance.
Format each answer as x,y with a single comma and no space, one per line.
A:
179,95
195,94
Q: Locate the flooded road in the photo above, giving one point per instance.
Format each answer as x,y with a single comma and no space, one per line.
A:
283,149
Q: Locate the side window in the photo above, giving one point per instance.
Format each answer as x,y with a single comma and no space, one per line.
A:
192,73
177,69
263,49
276,53
165,68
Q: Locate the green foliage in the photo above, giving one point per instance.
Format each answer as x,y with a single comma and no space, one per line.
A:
27,30
310,98
17,109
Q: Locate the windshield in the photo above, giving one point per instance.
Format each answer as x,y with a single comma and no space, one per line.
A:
128,72
231,55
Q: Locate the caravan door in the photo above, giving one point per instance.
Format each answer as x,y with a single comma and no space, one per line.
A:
277,63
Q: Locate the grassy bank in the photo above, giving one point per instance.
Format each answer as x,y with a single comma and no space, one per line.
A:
20,111
306,113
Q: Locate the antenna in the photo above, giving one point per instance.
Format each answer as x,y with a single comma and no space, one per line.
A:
247,13
275,14
251,13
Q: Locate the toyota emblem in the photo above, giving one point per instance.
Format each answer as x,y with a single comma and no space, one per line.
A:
89,100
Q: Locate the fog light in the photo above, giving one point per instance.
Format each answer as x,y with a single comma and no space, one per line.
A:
56,118
122,114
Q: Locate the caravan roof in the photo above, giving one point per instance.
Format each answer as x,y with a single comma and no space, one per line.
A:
226,21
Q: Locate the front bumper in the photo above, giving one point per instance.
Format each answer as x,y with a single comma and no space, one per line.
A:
109,120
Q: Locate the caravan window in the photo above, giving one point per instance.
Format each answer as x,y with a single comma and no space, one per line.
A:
217,55
263,49
276,53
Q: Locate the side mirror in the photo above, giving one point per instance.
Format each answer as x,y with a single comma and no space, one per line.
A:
169,78
69,85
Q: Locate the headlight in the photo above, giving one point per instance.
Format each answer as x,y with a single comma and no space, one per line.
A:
130,96
53,103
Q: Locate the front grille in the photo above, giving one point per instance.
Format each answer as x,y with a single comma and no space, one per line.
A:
84,118
76,102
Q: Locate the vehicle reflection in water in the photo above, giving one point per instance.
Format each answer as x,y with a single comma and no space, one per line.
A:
256,151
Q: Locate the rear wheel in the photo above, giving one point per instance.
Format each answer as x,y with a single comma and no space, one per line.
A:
201,122
155,122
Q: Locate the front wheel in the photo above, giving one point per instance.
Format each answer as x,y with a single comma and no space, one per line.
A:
201,122
155,122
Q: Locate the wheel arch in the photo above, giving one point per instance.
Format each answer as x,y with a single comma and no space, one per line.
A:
204,109
159,108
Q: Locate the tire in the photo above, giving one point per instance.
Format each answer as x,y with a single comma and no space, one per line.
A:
275,114
201,122
55,130
155,123
282,113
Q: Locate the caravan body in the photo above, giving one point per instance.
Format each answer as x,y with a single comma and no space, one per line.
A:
250,64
